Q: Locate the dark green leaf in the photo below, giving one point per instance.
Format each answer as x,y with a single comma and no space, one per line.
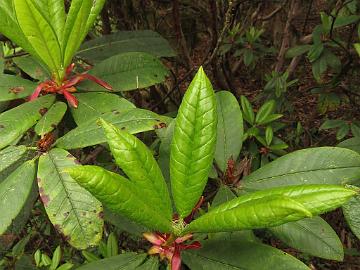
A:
51,118
322,165
10,156
125,41
30,66
248,112
124,261
128,71
351,212
297,50
14,87
230,129
352,144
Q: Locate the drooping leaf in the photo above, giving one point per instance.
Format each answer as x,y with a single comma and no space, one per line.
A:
244,255
129,260
272,207
127,71
230,129
90,133
14,87
15,122
51,118
193,144
9,158
351,212
30,66
138,163
40,34
75,28
15,191
10,27
125,41
321,165
71,209
93,105
121,196
313,236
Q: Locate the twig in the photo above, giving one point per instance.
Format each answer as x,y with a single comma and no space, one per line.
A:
273,13
90,158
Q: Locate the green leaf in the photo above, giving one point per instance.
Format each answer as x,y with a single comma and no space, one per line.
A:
297,50
75,28
66,266
230,129
138,163
126,41
345,20
127,71
355,130
10,27
269,135
55,259
152,263
94,12
248,57
321,165
193,144
351,212
244,255
248,112
121,196
93,105
54,12
336,123
112,245
14,87
265,111
134,121
40,34
342,132
15,122
126,261
312,236
9,157
71,209
14,194
272,207
352,144
319,66
31,66
224,194
51,118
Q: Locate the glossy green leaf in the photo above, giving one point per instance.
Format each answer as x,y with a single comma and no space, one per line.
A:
269,135
14,87
265,111
54,11
10,27
9,157
15,191
193,144
51,118
241,255
138,163
248,112
272,207
75,28
313,236
71,209
126,261
322,165
121,196
351,212
15,122
93,105
40,34
31,66
230,129
125,41
133,121
127,71
94,12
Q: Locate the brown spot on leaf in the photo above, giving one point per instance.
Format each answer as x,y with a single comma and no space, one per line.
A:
57,227
17,89
123,128
44,198
77,162
116,112
160,125
2,126
66,214
101,215
42,111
